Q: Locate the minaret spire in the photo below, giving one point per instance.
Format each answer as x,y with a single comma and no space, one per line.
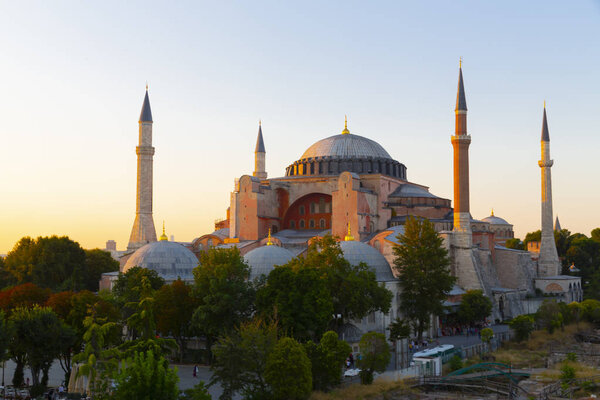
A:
345,131
143,230
260,155
548,262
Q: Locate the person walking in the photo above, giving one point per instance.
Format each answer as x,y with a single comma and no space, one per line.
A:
196,370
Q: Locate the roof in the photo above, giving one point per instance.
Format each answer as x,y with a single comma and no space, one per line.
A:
346,146
170,259
492,219
260,144
545,134
409,190
146,114
396,230
461,101
357,252
263,259
456,291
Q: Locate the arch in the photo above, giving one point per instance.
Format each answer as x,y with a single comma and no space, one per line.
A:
319,202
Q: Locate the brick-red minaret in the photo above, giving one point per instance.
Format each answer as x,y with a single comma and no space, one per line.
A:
460,142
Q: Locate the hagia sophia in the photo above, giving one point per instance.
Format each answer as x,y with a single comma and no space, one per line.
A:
350,186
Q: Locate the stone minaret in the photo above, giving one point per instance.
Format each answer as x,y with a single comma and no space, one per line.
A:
259,155
465,267
143,230
460,142
548,263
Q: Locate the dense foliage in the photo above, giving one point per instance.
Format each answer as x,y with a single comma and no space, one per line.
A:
474,308
375,356
288,371
424,274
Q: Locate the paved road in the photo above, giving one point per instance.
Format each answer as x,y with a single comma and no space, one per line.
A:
464,340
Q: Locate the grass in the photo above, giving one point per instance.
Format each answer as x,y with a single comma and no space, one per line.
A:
581,371
380,389
533,352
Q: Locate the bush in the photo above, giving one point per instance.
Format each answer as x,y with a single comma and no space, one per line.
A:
549,316
572,357
455,363
523,326
375,356
486,335
288,371
567,373
198,392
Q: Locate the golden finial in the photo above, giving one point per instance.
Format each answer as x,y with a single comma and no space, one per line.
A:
259,122
544,104
492,212
269,243
163,237
146,86
460,62
349,236
345,131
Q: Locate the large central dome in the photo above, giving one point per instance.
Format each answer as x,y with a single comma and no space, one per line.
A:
346,146
346,152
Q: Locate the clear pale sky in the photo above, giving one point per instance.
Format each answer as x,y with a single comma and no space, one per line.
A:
72,77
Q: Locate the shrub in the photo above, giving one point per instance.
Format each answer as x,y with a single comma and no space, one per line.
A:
455,363
567,373
288,371
523,326
375,356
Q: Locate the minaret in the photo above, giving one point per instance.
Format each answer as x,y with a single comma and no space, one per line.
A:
460,142
557,225
143,230
548,262
260,155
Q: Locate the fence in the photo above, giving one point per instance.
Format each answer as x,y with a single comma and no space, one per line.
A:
482,348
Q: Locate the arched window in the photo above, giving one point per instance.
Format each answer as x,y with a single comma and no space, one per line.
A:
301,210
301,224
209,242
313,208
292,224
274,229
311,223
322,223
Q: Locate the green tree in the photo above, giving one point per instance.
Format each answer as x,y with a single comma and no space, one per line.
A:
224,292
38,340
515,243
299,299
354,289
327,360
288,371
6,334
549,316
532,237
128,286
474,308
399,329
375,356
486,335
146,376
52,262
241,359
174,307
523,326
595,235
97,262
425,279
198,392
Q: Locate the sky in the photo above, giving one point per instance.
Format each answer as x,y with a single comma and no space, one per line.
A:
73,73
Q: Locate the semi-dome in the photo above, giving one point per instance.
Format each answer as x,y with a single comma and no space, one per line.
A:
346,146
356,252
170,260
263,259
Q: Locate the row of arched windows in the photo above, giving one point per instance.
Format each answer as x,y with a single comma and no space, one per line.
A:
312,224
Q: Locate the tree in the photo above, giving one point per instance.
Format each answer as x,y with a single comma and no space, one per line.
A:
532,237
52,262
174,307
98,262
224,292
299,299
6,334
486,335
523,326
288,371
146,376
549,316
327,360
26,295
198,392
515,243
38,339
241,359
425,278
474,308
399,329
128,286
375,356
355,292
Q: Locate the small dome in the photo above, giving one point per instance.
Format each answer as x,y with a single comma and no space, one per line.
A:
357,252
170,259
263,259
346,146
492,219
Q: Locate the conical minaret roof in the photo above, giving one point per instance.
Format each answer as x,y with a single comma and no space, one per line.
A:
146,114
545,134
260,144
557,225
461,100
